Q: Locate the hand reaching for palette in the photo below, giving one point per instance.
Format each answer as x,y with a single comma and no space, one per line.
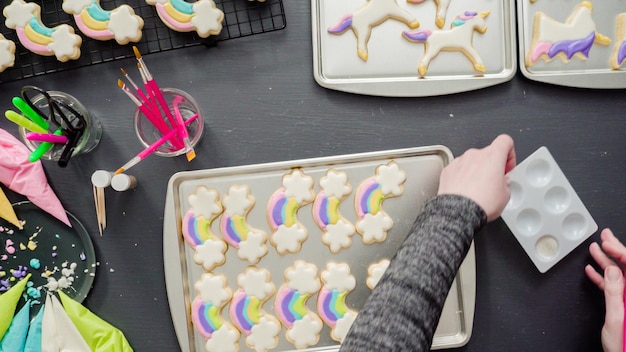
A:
612,283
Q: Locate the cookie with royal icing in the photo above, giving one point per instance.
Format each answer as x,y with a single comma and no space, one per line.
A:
373,222
249,241
290,305
59,41
282,207
201,16
337,230
205,207
375,271
213,294
337,282
7,53
246,309
442,10
619,50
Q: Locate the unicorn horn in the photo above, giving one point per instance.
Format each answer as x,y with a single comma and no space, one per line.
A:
485,14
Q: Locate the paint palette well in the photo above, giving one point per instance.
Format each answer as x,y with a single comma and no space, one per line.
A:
544,213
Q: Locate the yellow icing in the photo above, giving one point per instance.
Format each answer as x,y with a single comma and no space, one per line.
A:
175,14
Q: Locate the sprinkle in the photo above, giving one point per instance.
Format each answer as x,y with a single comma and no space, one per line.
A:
32,245
111,270
54,254
35,264
22,246
10,232
57,235
4,257
92,274
54,248
82,256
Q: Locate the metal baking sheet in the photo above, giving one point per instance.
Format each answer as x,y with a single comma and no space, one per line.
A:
595,71
392,64
422,165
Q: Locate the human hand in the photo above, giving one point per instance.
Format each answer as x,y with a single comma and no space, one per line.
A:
612,283
480,175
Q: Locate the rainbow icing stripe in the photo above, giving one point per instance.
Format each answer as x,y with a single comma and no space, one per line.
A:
245,311
93,21
202,16
290,305
326,210
368,198
282,210
331,306
234,229
196,230
205,317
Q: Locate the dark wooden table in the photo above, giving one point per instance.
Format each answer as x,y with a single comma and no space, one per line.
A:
262,105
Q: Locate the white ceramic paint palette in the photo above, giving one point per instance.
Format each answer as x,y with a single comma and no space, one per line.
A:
544,213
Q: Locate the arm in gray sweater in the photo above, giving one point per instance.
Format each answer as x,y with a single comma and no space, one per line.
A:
403,311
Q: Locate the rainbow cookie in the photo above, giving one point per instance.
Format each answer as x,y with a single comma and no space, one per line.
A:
331,300
213,294
337,230
246,313
619,51
201,16
7,53
375,272
93,21
458,38
442,10
368,16
301,283
60,41
196,228
249,241
373,222
288,233
575,37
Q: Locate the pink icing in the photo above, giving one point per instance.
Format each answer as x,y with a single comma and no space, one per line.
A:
36,48
103,34
280,296
540,49
167,18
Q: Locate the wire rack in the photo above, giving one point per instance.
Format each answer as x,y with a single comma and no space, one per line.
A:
241,18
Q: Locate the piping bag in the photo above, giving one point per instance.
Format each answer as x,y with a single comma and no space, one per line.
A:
27,178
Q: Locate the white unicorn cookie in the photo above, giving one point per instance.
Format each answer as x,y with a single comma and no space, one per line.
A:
196,228
575,37
619,50
301,283
458,38
337,230
93,21
7,53
213,294
442,10
60,41
288,233
368,16
250,242
246,309
331,300
373,222
201,16
375,271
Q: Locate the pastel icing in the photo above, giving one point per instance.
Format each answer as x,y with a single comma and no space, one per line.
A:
619,50
442,10
574,37
368,16
458,38
282,207
337,230
235,230
201,16
373,222
331,300
375,272
7,53
303,326
120,23
60,41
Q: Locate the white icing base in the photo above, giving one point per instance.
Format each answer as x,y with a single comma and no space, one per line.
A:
224,339
374,227
305,332
256,282
253,248
338,236
264,335
288,239
343,325
210,254
375,272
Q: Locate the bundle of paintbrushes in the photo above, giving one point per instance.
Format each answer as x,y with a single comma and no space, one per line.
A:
166,118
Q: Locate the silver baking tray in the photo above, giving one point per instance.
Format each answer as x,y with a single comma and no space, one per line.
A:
392,62
592,72
422,165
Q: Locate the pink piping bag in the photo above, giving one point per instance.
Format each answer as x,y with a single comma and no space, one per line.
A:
27,178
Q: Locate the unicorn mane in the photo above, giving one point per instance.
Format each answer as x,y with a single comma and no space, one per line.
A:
461,19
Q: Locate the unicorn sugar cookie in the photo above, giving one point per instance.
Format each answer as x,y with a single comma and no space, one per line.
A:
213,294
250,242
331,300
289,233
196,227
7,53
337,230
458,38
201,16
442,10
373,222
619,51
261,328
575,37
60,41
93,21
368,16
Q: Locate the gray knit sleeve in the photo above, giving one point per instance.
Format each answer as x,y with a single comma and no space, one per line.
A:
403,311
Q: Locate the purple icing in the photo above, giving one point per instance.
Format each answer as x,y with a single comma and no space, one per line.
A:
285,306
417,36
277,212
365,200
327,302
323,213
240,308
621,53
344,24
571,47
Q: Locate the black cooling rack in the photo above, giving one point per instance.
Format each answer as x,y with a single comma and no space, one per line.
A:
241,18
